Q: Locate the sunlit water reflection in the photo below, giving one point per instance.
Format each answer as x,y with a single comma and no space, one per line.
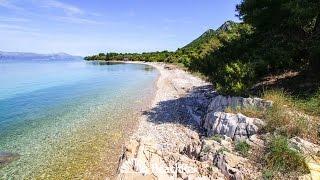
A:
68,119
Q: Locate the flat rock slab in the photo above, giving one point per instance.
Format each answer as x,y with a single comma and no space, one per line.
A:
7,157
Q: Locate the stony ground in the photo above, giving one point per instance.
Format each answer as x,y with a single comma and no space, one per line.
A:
169,125
171,119
187,135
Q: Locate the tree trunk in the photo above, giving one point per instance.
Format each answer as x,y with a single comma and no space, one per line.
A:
315,51
317,25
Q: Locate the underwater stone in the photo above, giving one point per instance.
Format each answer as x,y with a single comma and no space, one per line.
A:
7,157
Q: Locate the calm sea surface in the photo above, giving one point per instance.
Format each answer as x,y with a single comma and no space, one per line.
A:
68,119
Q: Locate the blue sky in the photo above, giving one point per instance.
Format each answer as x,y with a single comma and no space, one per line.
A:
83,27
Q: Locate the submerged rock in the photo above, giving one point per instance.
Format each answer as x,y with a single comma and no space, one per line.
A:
7,157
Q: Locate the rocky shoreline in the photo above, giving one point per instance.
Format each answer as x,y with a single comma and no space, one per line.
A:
186,133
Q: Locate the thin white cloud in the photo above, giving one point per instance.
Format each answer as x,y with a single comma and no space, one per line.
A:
17,28
13,19
72,13
67,8
68,12
9,30
77,20
9,5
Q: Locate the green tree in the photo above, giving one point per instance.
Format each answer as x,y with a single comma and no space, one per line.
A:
286,31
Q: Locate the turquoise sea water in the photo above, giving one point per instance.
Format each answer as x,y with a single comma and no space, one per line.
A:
68,119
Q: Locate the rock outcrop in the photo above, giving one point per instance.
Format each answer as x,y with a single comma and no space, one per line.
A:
235,126
142,159
220,103
305,147
227,163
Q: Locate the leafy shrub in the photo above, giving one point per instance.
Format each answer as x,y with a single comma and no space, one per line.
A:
280,157
185,60
242,147
267,174
234,78
312,105
223,149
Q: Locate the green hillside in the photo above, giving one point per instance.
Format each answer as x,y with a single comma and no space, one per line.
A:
275,37
206,42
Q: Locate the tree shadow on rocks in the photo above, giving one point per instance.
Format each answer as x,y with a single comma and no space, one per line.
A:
187,110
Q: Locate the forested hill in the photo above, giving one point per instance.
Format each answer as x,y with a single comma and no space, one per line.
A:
206,39
202,45
202,40
274,37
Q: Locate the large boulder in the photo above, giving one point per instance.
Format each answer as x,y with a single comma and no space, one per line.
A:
235,126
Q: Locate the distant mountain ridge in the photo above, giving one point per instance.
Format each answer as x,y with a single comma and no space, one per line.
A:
35,56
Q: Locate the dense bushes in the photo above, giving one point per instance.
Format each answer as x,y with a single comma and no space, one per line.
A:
149,57
277,36
287,30
228,65
233,78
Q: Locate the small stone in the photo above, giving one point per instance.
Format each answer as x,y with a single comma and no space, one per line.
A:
304,146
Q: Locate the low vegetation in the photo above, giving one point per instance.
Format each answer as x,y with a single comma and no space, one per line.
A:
242,147
223,149
280,157
310,105
286,117
247,111
216,137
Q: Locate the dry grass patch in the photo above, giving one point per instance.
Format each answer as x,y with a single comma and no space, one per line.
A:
247,111
279,157
286,119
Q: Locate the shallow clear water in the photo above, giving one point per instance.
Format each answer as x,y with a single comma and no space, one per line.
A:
67,119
